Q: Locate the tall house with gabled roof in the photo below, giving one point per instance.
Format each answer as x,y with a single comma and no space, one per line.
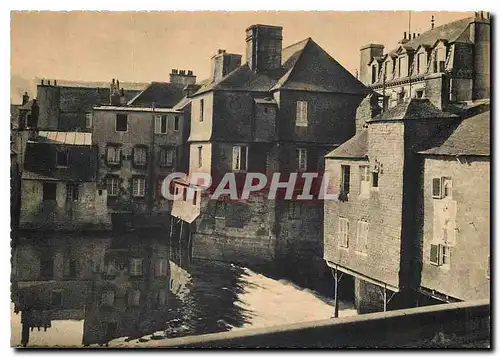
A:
277,113
448,64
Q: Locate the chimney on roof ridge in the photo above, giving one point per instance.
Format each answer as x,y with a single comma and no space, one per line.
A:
223,63
55,82
182,72
48,82
190,72
180,77
432,22
26,98
221,51
263,47
42,82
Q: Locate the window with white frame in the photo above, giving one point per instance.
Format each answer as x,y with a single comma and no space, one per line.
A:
301,119
140,156
240,157
364,180
301,159
343,232
440,255
138,187
113,154
112,186
135,268
167,157
88,120
161,124
362,236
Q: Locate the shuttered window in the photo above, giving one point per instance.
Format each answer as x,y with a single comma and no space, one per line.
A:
240,157
113,154
434,254
362,236
138,187
301,119
343,232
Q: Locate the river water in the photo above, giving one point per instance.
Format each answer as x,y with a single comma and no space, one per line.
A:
133,290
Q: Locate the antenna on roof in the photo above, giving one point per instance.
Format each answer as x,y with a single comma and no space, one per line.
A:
432,22
409,25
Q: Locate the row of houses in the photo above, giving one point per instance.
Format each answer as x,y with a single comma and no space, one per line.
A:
401,144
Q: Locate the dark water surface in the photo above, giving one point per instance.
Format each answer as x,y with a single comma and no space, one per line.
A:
123,285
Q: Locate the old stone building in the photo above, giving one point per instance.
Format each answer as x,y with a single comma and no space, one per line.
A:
279,112
67,105
448,63
58,184
455,201
139,143
373,231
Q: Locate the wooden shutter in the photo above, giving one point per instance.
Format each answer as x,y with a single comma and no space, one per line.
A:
435,254
236,157
437,188
157,123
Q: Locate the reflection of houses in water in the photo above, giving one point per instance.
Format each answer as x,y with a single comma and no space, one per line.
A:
131,286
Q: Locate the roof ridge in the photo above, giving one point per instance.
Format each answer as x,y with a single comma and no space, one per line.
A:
283,79
296,43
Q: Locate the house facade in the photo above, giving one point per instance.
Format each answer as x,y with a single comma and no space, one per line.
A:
58,184
139,144
277,113
373,232
455,230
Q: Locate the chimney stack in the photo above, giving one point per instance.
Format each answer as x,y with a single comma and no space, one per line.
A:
42,82
180,77
367,53
55,82
26,98
432,22
224,63
48,82
264,46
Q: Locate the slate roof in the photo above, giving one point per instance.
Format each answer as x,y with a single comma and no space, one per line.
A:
305,66
449,32
415,108
354,148
162,94
469,137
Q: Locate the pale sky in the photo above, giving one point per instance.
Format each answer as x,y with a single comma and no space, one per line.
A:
145,46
